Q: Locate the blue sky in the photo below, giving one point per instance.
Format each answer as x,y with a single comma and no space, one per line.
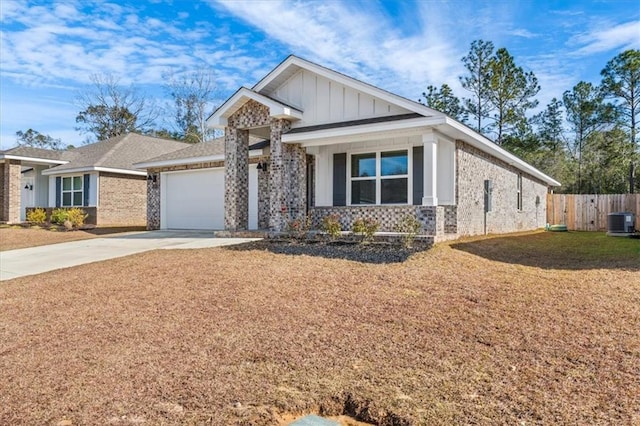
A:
49,49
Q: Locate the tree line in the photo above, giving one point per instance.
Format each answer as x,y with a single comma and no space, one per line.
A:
109,109
587,138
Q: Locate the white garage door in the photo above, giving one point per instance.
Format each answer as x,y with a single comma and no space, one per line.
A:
194,199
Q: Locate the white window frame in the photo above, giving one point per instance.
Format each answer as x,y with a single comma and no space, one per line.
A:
72,191
378,177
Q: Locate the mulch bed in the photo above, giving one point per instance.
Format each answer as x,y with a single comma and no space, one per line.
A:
366,252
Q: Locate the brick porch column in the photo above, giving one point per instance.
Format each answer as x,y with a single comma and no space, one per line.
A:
288,177
236,179
153,201
10,196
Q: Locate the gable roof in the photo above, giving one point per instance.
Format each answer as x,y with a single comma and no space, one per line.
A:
116,154
197,153
277,109
292,64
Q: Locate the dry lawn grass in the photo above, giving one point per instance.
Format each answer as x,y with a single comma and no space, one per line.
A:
222,336
16,237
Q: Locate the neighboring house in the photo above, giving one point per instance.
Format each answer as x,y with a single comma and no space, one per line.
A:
99,178
334,145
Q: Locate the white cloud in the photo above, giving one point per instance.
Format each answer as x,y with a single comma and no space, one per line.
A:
609,37
360,41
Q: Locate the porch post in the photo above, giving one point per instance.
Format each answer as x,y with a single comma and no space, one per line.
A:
236,179
11,189
430,142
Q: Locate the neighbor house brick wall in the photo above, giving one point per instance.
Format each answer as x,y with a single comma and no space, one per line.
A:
473,168
122,200
10,184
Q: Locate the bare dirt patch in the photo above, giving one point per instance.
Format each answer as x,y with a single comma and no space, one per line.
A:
242,337
16,237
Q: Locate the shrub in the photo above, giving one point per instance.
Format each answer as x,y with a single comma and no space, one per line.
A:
298,228
76,216
365,227
331,225
37,216
409,227
58,216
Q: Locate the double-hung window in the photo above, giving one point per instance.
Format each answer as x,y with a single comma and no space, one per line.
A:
72,191
380,178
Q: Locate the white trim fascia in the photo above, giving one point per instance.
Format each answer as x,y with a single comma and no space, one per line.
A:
347,81
486,145
179,161
31,159
339,135
53,172
192,160
276,109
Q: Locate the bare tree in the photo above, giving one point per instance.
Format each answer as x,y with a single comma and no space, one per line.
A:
193,94
108,109
35,139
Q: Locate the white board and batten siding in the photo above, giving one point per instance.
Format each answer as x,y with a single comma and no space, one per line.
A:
194,199
325,101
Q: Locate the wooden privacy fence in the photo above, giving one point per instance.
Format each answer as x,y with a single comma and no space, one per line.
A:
588,212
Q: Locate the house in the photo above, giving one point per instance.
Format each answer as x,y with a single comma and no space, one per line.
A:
333,145
99,178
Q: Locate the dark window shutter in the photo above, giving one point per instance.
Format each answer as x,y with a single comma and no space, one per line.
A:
340,179
58,191
418,175
85,188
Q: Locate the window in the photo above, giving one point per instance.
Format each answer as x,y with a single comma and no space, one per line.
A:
519,192
72,191
380,178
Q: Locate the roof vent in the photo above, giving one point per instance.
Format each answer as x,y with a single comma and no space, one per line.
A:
621,224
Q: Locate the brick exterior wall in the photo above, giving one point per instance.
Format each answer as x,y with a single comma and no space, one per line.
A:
10,185
475,166
122,200
387,216
236,153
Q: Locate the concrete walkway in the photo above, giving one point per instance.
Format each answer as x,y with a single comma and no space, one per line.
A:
35,260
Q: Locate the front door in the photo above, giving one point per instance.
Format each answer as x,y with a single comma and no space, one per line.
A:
27,196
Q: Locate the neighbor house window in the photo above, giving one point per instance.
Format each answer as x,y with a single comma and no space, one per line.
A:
380,178
72,191
519,192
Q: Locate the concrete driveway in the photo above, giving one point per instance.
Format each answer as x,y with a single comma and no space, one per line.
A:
35,260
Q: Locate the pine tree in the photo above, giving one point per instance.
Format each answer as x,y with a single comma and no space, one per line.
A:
477,62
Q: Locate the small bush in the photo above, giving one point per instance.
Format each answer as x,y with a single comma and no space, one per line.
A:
331,225
76,216
365,227
298,228
409,226
37,216
58,216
